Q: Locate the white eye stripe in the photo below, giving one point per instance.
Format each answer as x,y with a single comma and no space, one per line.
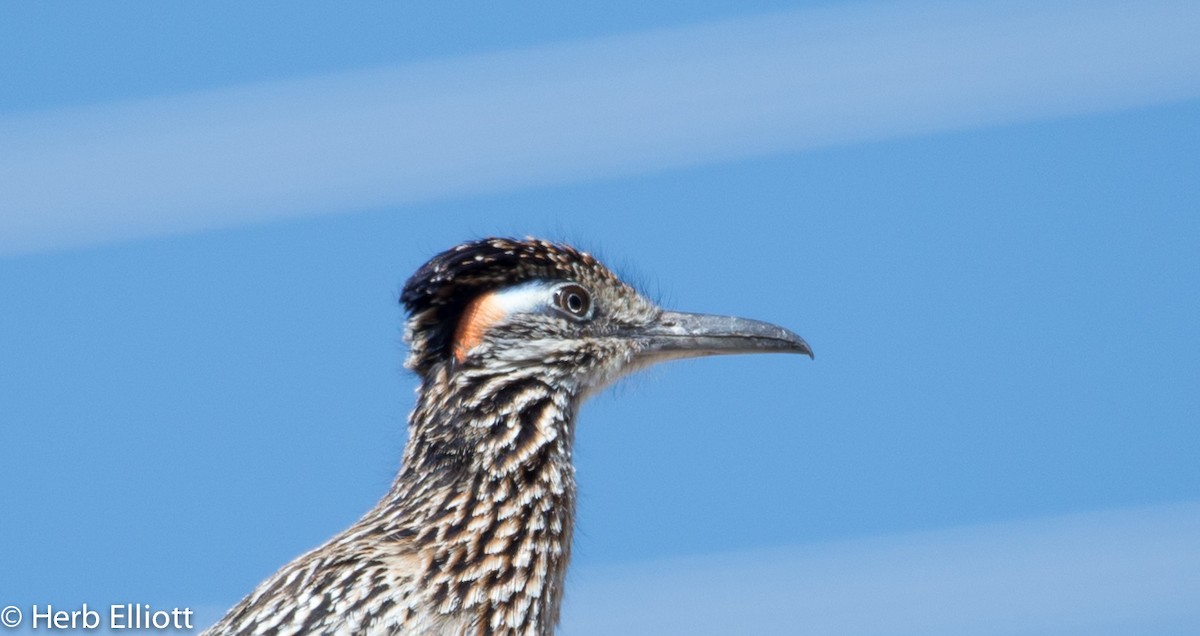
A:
525,297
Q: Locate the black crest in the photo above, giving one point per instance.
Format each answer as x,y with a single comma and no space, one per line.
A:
436,295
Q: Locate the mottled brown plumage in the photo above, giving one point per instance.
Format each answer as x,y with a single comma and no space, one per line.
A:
508,337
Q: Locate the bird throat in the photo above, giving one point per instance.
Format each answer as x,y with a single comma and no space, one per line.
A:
493,527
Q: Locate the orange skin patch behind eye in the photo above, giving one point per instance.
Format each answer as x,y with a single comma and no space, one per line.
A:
477,318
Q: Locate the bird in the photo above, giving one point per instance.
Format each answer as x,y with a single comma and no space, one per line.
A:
507,338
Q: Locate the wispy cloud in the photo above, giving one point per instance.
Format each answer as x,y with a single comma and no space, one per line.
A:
1133,571
601,108
1116,572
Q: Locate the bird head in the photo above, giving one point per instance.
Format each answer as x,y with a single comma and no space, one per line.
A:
505,306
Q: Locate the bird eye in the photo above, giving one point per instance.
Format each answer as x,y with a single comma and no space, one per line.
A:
574,300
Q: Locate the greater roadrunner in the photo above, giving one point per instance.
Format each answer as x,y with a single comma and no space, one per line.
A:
508,337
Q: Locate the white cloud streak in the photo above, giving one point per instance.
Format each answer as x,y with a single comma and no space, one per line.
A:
1118,572
1114,572
595,109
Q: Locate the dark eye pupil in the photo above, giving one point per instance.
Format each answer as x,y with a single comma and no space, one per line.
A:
574,299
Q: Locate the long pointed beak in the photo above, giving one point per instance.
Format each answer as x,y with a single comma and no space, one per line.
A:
682,335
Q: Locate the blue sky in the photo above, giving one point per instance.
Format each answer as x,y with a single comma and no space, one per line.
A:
983,218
